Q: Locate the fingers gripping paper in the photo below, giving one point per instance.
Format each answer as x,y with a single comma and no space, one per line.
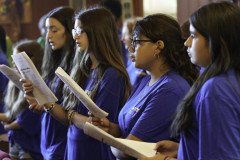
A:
80,94
133,148
29,72
12,75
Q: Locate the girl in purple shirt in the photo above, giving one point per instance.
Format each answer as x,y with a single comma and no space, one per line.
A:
99,69
59,51
159,49
208,118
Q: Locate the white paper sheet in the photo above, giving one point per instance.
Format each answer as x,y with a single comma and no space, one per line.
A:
80,94
29,72
133,148
12,75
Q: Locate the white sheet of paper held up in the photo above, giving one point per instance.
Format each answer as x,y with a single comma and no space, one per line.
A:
80,94
12,75
29,72
133,148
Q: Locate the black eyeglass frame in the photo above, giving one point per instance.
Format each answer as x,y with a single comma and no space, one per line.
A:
133,42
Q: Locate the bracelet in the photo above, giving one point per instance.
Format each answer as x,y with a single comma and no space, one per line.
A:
47,110
70,114
166,158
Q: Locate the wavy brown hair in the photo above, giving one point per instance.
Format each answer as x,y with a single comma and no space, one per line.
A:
104,43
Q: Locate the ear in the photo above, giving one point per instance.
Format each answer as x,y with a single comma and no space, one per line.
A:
160,45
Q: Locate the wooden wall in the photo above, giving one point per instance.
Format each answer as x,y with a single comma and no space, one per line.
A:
39,8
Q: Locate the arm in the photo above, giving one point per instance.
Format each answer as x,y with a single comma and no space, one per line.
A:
106,125
57,112
11,126
3,117
54,109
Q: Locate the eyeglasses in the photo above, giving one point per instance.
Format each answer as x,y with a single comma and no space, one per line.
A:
138,41
77,31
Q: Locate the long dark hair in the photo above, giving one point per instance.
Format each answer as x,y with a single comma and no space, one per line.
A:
61,57
219,24
162,27
104,43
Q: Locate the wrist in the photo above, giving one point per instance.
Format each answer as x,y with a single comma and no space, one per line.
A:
48,108
70,115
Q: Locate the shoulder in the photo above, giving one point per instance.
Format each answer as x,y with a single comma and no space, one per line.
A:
111,73
222,86
173,82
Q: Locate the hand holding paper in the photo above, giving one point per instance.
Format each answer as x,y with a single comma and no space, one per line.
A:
133,148
29,72
80,94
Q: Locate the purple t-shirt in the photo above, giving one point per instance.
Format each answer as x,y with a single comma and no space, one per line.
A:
109,98
53,135
148,112
215,132
3,86
28,137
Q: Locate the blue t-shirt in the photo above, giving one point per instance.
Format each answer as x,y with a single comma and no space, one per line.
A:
215,130
28,137
53,134
148,112
3,86
109,98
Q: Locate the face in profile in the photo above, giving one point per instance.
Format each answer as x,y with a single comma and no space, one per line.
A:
55,32
198,48
144,50
80,36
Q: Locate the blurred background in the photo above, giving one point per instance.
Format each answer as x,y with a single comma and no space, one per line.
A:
20,18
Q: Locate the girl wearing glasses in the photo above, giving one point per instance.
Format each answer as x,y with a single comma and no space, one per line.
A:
59,51
135,74
208,118
159,49
99,69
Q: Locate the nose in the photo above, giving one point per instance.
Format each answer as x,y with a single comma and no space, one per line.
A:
74,35
49,35
188,42
130,49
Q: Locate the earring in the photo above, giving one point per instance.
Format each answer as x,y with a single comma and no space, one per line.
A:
156,55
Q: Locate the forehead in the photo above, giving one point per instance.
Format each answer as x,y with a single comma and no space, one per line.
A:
53,22
192,29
